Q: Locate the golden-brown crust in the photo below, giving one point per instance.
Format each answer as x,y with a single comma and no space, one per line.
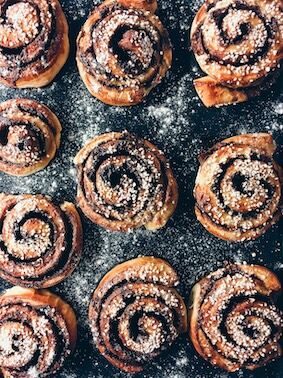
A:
50,257
143,287
238,188
263,141
46,297
31,136
242,296
38,71
63,320
149,5
123,97
116,273
212,93
96,201
223,36
114,85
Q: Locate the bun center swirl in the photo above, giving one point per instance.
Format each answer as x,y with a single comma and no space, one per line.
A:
25,29
127,183
246,183
21,145
138,46
240,26
16,337
27,231
129,45
20,25
123,51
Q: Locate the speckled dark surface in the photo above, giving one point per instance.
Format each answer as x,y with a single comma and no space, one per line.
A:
174,119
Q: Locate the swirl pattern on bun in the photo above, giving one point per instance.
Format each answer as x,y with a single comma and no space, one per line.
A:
34,42
29,136
41,243
238,188
239,45
234,322
136,313
38,331
125,182
123,51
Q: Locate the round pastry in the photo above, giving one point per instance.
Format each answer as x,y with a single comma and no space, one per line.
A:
239,45
29,136
34,42
234,322
123,51
125,183
38,331
136,313
239,187
40,243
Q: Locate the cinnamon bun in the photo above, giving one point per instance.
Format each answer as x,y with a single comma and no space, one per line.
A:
29,136
34,42
234,321
239,45
125,182
136,313
239,187
40,242
123,51
38,331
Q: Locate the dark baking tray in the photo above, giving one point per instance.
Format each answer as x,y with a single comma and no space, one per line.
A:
174,119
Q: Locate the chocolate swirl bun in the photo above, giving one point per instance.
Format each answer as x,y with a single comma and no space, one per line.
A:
239,45
34,42
123,51
29,136
239,188
38,331
136,313
40,242
234,322
125,183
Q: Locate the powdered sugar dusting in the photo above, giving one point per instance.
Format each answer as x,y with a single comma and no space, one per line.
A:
182,129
